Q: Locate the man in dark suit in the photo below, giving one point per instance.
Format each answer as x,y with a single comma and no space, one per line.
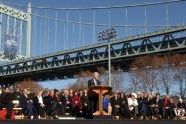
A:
94,98
26,102
85,104
115,103
158,106
6,100
39,105
16,94
66,102
51,105
94,81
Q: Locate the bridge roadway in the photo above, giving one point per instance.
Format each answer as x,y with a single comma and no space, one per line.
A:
70,62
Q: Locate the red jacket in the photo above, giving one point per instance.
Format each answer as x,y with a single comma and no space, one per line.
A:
166,102
76,101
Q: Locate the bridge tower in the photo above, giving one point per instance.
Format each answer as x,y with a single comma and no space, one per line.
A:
15,33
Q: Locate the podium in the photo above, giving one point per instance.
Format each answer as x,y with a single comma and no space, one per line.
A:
100,91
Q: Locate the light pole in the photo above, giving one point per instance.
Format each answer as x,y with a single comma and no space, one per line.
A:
109,65
108,34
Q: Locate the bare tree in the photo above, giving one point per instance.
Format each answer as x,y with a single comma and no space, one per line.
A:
147,72
151,81
118,82
136,81
165,77
30,84
179,72
179,77
161,71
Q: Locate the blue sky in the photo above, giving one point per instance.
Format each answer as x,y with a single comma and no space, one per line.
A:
46,38
57,84
50,36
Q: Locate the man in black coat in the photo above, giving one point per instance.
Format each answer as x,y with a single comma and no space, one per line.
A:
6,99
159,106
66,102
116,104
16,94
26,102
50,103
94,81
39,105
93,98
143,105
85,104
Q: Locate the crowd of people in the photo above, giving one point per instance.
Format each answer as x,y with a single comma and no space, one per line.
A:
52,104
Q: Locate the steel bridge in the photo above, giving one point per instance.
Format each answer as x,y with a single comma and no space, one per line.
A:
70,62
14,24
45,26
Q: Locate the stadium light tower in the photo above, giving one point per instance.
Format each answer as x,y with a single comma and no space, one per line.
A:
107,35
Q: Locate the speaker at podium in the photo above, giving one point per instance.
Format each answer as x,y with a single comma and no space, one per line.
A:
99,91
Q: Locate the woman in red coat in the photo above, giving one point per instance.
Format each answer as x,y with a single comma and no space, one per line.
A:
166,105
76,104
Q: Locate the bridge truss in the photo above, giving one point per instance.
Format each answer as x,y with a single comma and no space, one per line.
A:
71,62
15,26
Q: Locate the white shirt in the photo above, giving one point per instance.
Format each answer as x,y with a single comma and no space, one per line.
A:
132,102
95,82
40,99
157,101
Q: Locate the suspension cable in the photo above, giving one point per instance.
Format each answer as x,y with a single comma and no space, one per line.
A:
48,31
94,8
109,23
34,32
67,12
73,35
21,34
55,44
145,8
167,14
64,45
1,23
89,23
45,38
40,37
94,26
126,21
80,30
